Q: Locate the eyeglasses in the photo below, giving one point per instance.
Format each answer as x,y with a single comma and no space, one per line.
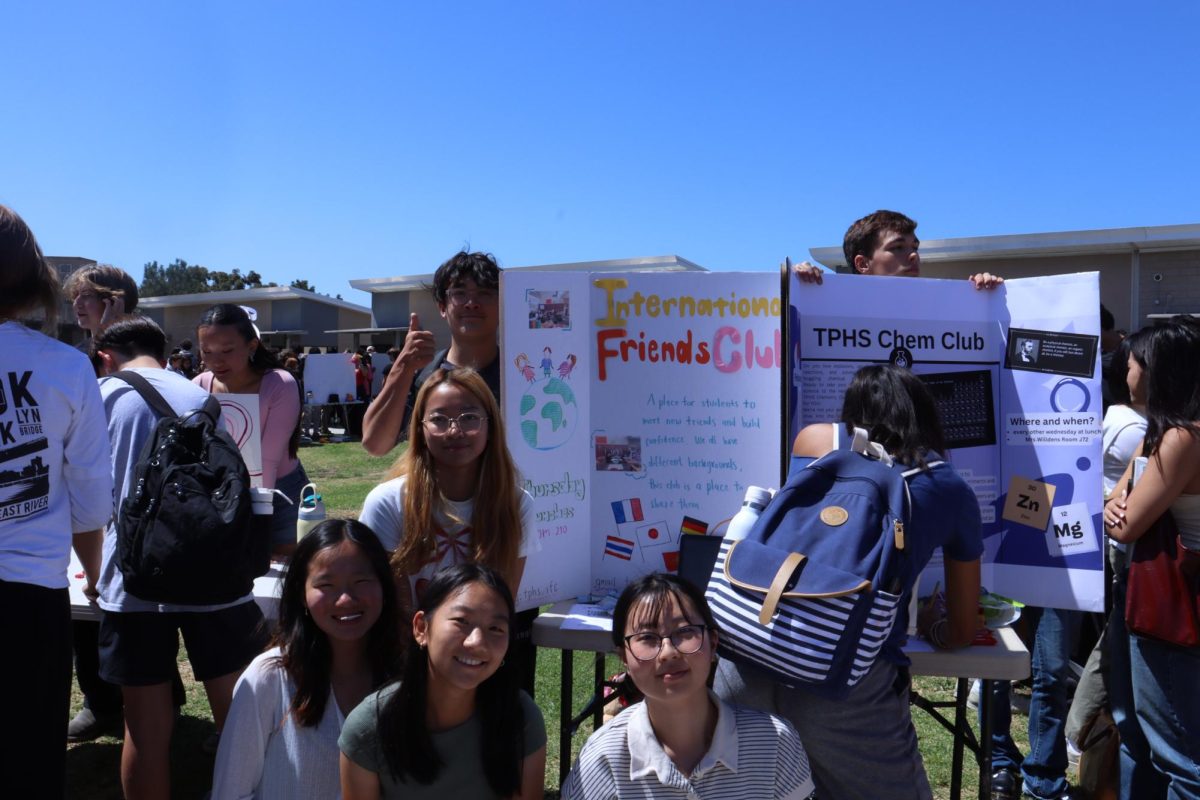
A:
645,646
460,297
467,422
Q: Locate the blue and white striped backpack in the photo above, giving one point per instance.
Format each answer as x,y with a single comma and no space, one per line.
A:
812,592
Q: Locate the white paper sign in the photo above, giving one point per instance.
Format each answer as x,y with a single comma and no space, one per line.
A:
1071,531
240,412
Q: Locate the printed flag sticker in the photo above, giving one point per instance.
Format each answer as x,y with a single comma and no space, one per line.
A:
617,547
655,534
627,510
671,561
693,525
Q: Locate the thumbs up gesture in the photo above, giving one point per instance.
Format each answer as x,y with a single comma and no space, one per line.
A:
418,347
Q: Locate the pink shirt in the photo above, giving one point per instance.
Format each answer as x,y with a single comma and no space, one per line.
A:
278,411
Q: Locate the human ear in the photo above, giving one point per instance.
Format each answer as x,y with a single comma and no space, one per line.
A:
420,626
862,265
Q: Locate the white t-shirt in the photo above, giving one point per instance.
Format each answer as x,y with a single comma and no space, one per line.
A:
1122,432
55,476
383,512
264,753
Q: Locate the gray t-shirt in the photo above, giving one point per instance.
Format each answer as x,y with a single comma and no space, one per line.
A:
460,749
130,424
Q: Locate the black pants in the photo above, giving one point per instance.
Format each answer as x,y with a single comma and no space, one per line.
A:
35,671
99,695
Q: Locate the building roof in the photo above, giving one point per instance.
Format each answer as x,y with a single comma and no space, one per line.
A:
246,296
404,283
1034,245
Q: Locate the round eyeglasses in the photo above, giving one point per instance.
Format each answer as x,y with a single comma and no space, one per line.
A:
645,646
467,422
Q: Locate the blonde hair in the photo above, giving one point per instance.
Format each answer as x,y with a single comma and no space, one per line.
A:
496,519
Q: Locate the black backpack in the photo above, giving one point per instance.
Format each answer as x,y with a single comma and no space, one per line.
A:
185,531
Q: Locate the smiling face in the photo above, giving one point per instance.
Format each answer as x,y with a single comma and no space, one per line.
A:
466,638
472,312
672,676
343,593
225,353
897,255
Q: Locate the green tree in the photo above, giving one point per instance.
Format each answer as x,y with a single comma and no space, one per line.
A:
178,277
302,283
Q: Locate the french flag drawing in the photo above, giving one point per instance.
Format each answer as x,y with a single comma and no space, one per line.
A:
617,547
627,510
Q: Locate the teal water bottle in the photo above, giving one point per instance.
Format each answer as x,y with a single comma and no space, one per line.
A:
312,511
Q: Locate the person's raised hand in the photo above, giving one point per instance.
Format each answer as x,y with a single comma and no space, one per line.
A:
808,273
985,280
114,309
418,346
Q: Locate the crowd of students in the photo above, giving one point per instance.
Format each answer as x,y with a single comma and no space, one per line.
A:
397,666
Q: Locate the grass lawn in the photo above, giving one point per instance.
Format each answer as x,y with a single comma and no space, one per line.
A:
344,473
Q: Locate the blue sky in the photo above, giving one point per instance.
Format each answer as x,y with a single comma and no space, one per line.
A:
351,140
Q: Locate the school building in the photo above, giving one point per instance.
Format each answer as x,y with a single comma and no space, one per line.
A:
1145,273
287,317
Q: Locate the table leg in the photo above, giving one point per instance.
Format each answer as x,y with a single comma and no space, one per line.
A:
598,717
960,726
985,738
566,689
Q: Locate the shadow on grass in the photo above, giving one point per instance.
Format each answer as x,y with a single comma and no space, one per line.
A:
94,768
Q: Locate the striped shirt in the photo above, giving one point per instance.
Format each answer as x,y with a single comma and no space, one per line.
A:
753,755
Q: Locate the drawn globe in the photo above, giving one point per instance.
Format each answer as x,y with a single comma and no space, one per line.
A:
548,414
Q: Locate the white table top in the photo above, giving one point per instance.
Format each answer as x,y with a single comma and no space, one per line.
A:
266,592
1006,660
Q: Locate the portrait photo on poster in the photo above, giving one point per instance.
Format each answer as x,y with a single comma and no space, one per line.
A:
1050,351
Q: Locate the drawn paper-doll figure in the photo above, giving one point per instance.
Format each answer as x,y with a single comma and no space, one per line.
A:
564,369
547,362
524,367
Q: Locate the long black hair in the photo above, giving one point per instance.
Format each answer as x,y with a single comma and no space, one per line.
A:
897,410
403,732
1137,344
1173,388
657,588
304,649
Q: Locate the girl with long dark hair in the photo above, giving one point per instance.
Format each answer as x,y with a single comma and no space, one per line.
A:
865,746
237,362
456,725
1160,723
336,643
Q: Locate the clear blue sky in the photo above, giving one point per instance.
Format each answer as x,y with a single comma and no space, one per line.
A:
332,141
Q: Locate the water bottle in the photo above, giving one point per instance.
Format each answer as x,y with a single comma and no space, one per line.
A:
756,500
312,511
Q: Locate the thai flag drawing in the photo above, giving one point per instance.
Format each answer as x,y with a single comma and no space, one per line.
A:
617,547
627,510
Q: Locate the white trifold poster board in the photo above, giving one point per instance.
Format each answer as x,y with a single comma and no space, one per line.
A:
1015,372
328,374
639,406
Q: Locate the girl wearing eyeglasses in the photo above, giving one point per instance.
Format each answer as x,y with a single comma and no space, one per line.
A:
453,496
682,740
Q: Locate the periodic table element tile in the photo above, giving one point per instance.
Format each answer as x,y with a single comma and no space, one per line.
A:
1029,502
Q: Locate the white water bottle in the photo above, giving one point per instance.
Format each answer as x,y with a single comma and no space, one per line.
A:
312,511
756,500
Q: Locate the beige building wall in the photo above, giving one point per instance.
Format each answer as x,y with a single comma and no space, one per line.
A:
1169,283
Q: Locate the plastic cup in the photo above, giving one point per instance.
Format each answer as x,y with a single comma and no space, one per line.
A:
262,501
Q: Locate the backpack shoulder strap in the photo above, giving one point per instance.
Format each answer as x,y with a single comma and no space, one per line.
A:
147,392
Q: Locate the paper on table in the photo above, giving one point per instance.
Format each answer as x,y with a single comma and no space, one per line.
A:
587,617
